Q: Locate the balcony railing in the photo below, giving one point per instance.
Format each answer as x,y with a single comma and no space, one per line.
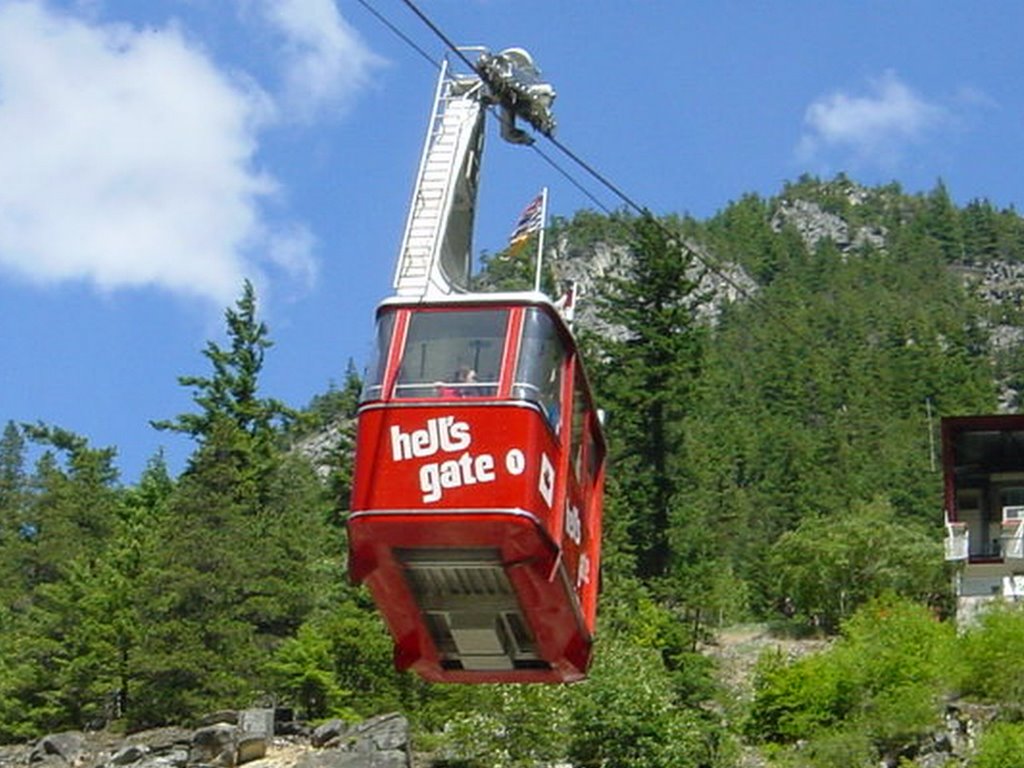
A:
957,541
1013,540
1009,545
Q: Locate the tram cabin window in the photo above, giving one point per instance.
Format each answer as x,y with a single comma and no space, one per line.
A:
452,353
579,415
539,369
375,374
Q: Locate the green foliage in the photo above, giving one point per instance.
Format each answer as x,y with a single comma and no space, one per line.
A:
1000,746
626,714
502,726
302,670
230,581
361,657
993,664
645,373
883,680
232,392
647,698
848,748
795,700
830,566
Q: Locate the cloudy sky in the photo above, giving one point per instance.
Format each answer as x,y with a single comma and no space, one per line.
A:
154,155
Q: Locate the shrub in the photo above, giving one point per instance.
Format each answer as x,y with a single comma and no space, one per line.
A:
993,666
883,680
1000,746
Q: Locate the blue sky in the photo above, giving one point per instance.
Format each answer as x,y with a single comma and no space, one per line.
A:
153,155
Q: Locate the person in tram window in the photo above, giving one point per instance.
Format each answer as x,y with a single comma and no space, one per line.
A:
462,385
465,380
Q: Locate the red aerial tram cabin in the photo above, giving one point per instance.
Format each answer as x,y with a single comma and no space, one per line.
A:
476,503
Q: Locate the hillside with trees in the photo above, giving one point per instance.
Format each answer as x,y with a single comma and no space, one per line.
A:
773,379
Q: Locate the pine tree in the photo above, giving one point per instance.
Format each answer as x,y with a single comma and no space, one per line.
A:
56,645
244,540
232,391
13,499
198,650
646,377
943,223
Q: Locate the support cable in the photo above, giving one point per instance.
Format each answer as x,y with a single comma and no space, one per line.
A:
400,34
630,203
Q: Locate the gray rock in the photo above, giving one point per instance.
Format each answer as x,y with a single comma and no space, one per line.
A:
221,716
176,758
128,754
163,740
250,748
65,746
255,730
256,722
329,734
215,745
383,733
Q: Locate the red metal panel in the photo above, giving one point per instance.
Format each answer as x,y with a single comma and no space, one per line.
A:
533,571
450,456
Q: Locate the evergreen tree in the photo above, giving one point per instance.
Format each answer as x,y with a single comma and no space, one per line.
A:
73,508
13,499
60,662
942,222
646,373
199,652
243,540
232,391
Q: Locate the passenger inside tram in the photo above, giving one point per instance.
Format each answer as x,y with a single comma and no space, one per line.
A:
458,354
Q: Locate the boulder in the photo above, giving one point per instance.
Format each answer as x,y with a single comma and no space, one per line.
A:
215,745
128,754
255,730
383,733
329,734
65,746
221,716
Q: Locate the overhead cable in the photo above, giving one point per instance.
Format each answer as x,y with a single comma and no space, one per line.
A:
630,203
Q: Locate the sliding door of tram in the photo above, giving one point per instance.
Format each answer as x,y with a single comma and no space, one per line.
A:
476,498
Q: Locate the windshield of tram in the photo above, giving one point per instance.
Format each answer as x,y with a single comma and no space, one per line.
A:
539,369
375,374
452,353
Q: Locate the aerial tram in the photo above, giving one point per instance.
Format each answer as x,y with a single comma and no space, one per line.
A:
476,503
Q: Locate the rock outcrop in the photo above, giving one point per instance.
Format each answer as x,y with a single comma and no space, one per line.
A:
229,739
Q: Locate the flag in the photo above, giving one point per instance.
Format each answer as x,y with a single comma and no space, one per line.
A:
530,220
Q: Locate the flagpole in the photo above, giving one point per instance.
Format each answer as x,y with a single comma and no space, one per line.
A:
540,237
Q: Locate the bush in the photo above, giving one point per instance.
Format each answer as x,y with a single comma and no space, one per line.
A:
502,726
993,666
794,700
830,566
883,679
626,715
1000,746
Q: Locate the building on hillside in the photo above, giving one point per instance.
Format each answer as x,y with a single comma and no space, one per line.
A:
983,470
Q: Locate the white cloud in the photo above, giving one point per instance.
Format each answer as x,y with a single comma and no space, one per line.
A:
127,159
875,128
323,58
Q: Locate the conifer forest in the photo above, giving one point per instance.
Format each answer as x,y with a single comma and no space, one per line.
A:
773,379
